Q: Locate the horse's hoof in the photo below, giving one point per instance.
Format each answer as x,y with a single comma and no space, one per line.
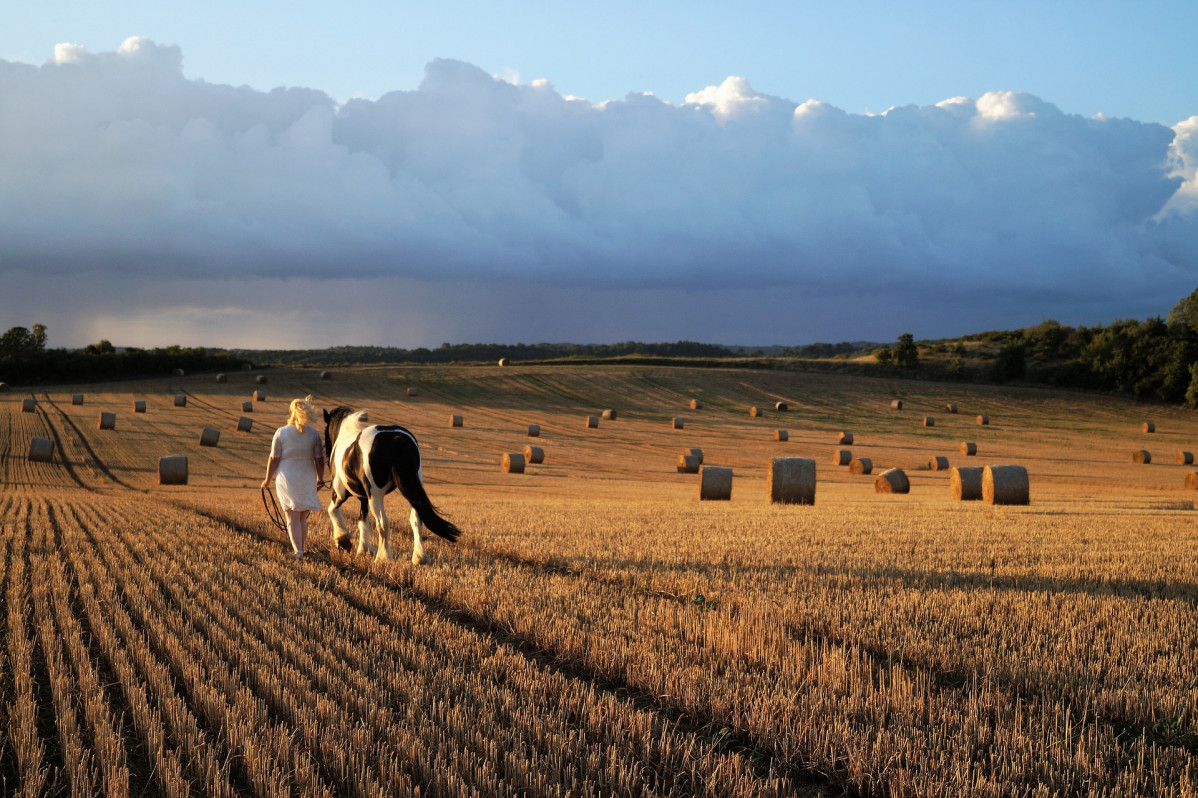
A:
417,559
344,543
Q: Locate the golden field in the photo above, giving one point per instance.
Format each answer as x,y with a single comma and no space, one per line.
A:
598,630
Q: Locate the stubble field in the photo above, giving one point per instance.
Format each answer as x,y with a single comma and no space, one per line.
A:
598,630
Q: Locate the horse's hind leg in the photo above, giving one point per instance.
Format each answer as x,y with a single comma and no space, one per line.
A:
379,514
417,545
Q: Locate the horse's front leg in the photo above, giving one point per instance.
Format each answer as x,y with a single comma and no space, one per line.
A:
379,513
417,545
364,546
340,530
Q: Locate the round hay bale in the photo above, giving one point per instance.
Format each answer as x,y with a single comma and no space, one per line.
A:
754,411
983,420
1192,480
609,415
842,457
791,480
1005,484
1149,426
677,423
209,436
896,404
3,386
247,407
696,452
455,420
696,404
172,469
781,435
413,392
178,373
513,463
950,408
503,362
534,430
139,406
535,455
861,465
326,375
221,378
892,480
845,439
929,421
966,483
106,421
592,422
259,396
41,450
938,463
180,400
76,398
260,379
247,366
715,483
688,464
1184,458
28,404
1141,456
245,424
969,448
781,407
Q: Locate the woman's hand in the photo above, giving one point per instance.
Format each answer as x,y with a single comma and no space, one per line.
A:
266,483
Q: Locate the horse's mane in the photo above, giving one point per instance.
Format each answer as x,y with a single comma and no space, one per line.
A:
351,422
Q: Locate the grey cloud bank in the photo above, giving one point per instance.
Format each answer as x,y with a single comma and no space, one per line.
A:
149,208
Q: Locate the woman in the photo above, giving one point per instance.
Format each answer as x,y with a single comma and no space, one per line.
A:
297,466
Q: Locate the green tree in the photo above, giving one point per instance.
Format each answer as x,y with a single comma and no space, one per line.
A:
101,347
905,353
20,343
1183,319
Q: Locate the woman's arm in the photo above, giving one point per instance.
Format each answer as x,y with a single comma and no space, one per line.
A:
272,465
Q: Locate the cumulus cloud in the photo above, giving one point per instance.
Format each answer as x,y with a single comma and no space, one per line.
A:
116,164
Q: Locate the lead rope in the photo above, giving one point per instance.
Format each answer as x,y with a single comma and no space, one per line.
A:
272,510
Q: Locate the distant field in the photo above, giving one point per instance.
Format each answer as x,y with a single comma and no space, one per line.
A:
598,630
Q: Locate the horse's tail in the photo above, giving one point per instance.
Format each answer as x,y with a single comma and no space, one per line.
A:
413,490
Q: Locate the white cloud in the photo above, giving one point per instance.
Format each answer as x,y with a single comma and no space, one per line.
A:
117,164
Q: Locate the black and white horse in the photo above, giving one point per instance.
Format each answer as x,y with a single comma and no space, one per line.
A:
368,461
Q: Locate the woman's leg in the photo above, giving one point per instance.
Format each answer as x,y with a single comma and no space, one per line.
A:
297,522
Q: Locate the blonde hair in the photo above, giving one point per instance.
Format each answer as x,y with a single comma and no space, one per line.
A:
301,413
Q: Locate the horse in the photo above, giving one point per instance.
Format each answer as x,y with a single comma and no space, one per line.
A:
368,461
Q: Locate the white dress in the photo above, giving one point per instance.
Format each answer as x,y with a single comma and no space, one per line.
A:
295,479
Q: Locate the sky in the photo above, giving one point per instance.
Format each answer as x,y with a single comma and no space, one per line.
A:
285,175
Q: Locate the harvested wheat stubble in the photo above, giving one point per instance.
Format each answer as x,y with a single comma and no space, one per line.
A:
781,435
209,436
609,415
41,450
715,483
179,373
938,463
139,406
677,423
845,439
260,379
247,407
106,421
245,424
221,378
1184,458
76,398
950,408
781,406
842,457
413,392
1005,484
896,404
695,452
172,469
791,480
1192,480
28,404
1149,426
535,455
688,464
534,430
969,448
754,412
1141,456
259,396
861,465
966,482
326,375
696,404
592,422
513,463
503,362
983,420
455,420
180,400
892,480
929,421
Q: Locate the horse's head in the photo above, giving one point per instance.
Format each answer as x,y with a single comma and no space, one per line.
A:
332,426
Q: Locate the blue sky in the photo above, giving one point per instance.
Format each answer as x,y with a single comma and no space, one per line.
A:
769,173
